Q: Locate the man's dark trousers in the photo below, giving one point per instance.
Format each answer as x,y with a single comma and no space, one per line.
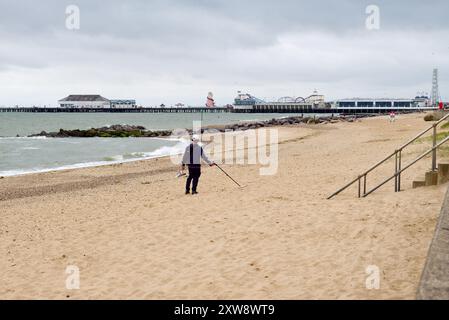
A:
194,176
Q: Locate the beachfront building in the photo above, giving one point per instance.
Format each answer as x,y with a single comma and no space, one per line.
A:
245,101
423,101
84,101
382,103
368,103
123,104
95,101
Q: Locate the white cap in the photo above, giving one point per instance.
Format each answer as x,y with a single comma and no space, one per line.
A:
195,137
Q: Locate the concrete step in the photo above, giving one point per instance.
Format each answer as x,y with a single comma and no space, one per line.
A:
418,184
443,173
431,178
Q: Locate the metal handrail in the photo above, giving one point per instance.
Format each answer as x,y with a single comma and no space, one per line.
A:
398,154
409,165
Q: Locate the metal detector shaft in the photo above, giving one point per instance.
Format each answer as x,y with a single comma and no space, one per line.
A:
228,175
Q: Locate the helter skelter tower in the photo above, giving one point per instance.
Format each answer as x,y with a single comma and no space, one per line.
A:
435,92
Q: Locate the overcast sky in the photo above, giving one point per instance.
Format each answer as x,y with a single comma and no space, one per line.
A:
177,51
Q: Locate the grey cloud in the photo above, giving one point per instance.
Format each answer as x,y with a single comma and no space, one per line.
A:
187,47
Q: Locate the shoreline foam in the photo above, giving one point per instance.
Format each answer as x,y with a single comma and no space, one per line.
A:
94,164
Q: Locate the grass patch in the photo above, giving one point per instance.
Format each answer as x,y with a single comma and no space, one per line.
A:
440,136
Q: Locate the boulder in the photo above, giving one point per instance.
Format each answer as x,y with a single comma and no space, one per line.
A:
306,119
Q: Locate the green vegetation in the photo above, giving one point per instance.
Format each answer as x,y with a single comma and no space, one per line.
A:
440,136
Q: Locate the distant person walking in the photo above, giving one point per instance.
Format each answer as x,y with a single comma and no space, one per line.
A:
392,116
192,158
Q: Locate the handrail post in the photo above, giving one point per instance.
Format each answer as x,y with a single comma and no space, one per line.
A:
434,153
396,171
359,187
364,184
399,170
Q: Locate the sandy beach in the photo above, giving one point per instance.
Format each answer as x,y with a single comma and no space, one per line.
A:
135,235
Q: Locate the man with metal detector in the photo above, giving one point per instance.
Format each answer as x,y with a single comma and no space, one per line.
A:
192,158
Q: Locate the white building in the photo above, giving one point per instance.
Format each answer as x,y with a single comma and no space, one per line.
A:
84,101
421,102
123,104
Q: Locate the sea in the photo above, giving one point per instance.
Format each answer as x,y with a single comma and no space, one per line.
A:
20,154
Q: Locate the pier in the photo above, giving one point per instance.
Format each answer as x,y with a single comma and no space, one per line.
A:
116,110
312,110
254,109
